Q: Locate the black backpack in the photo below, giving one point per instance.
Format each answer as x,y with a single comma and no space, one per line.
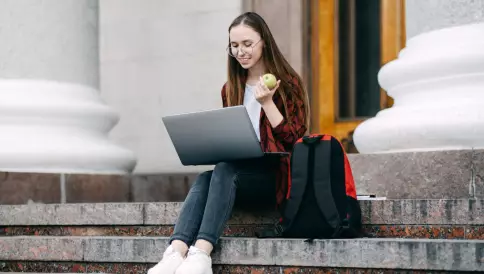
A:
321,201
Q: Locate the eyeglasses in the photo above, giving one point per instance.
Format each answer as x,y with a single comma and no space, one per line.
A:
234,52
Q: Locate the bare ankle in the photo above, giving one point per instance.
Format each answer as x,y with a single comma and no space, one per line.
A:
180,246
205,246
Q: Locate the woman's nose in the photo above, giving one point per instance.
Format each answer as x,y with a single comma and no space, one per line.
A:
240,52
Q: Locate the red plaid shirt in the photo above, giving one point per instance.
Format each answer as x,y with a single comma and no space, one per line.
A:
283,137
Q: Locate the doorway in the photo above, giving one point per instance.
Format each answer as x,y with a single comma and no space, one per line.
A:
349,41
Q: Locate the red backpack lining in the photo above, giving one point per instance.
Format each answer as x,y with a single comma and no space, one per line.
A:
349,180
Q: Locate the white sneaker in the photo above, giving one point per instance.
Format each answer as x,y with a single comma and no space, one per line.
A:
197,262
169,264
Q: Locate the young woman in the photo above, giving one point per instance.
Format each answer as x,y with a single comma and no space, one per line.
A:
279,116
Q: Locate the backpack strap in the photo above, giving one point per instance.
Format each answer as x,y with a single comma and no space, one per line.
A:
299,172
299,175
322,186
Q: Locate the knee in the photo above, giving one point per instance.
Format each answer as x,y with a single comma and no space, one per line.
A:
202,182
204,176
224,168
226,171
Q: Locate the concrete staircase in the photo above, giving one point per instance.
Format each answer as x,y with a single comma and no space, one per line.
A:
432,222
413,236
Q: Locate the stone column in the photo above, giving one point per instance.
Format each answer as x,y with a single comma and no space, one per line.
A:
52,118
437,82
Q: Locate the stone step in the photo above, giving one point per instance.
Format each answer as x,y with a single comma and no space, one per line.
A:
437,219
409,254
425,211
142,268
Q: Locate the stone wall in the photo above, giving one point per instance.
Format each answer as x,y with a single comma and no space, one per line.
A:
161,57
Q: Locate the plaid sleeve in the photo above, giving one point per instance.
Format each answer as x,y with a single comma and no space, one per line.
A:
294,126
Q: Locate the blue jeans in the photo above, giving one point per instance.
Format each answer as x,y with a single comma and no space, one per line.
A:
209,203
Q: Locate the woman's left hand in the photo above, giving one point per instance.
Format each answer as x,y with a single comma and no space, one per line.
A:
263,94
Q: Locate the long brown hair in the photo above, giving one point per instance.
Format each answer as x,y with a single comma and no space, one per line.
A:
274,62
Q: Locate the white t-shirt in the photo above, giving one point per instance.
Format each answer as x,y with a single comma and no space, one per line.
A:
253,108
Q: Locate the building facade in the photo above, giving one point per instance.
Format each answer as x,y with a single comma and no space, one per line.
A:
85,83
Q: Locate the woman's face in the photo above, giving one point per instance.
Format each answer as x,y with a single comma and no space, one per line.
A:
245,45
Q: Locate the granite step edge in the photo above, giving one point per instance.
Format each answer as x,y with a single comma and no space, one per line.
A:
424,211
448,255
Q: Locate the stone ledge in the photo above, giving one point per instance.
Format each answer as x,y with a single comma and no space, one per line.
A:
405,212
455,255
21,188
450,174
42,248
437,211
73,214
456,174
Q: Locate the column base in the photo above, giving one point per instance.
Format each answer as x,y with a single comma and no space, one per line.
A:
437,84
53,127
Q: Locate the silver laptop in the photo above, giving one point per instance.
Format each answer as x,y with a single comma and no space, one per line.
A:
214,136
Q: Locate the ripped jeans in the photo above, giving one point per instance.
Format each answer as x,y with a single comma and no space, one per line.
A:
208,206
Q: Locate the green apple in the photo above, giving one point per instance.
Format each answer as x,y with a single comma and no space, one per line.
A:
269,80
